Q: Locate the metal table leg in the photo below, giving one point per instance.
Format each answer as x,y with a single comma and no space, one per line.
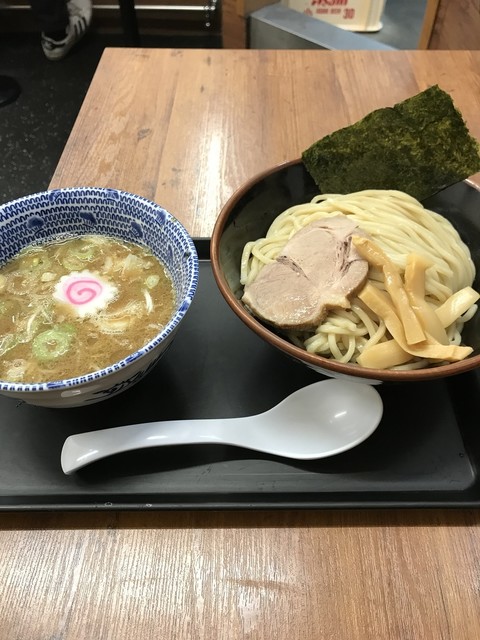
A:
128,17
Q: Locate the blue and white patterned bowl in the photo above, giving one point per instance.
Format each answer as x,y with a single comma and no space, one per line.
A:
44,216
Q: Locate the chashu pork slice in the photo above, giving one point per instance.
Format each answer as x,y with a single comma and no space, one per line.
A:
318,269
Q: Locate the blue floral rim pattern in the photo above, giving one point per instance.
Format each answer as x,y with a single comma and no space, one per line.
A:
47,215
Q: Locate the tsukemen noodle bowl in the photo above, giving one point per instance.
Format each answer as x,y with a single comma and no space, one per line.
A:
274,208
94,284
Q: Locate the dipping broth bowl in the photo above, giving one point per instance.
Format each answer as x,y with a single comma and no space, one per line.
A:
247,216
46,216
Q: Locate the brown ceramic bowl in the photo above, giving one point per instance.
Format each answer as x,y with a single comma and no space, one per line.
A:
250,211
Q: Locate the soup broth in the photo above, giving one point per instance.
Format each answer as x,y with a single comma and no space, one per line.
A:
74,306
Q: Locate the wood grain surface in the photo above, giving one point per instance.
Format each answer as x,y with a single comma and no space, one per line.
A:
186,128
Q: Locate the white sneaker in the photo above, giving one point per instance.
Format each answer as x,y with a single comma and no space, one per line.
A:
80,12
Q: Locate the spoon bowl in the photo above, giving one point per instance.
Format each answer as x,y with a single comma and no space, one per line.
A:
317,421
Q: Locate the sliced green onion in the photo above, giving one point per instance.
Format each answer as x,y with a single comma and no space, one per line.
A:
152,281
77,256
132,265
47,311
53,343
48,276
7,342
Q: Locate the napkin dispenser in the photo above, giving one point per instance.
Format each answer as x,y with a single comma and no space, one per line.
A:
352,15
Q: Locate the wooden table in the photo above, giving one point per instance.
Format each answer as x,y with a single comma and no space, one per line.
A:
185,128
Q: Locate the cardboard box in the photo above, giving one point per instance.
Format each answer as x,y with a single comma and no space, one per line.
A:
352,15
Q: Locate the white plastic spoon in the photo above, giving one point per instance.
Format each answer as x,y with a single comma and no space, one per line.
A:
320,420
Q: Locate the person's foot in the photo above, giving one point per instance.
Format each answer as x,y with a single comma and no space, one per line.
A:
80,12
9,90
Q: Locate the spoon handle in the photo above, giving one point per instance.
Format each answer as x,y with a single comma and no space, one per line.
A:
83,448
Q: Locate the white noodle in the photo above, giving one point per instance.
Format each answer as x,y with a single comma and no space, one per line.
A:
399,225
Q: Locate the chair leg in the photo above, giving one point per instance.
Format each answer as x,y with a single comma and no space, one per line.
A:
9,90
128,17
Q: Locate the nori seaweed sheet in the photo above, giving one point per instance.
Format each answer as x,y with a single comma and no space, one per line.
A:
419,146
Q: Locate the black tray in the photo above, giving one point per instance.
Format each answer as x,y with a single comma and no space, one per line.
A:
425,452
